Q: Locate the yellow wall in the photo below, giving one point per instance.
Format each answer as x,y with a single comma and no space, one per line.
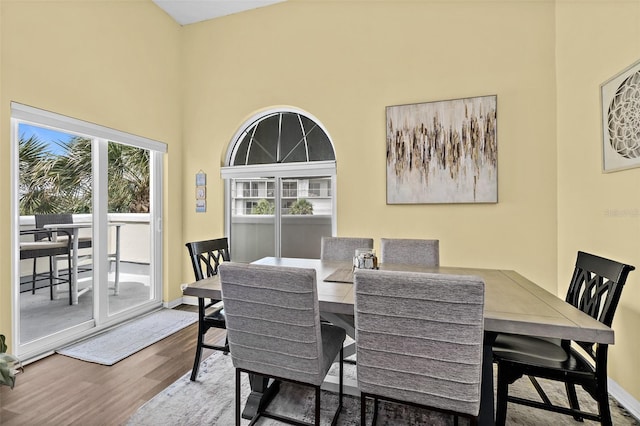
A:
344,62
597,212
113,63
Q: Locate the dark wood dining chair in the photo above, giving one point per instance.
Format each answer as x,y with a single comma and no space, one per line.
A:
274,329
35,246
595,288
419,340
206,256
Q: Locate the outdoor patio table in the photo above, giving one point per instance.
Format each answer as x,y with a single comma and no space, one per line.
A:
74,229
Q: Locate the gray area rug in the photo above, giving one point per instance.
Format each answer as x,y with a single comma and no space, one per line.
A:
210,400
126,339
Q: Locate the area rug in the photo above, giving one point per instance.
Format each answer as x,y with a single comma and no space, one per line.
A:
210,400
126,339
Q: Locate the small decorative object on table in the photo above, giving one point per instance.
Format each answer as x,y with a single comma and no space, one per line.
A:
365,258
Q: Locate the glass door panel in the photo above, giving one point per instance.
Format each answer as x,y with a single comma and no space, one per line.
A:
128,229
55,188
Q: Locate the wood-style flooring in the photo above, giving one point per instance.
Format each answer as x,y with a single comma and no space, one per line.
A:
59,390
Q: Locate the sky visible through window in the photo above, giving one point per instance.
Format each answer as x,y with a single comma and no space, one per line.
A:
45,135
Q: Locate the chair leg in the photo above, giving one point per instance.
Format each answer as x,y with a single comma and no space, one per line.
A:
317,417
363,409
51,277
375,411
573,399
69,278
196,361
501,396
33,276
237,397
341,392
334,421
603,407
201,333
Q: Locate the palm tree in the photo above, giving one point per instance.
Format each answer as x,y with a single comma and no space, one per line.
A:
301,206
263,207
62,183
129,183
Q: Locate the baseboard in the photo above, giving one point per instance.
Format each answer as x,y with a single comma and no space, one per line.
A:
184,300
624,398
173,303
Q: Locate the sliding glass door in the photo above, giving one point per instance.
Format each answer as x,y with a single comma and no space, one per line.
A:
99,189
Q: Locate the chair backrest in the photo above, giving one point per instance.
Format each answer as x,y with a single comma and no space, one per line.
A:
207,255
410,251
273,320
50,219
419,337
342,248
596,286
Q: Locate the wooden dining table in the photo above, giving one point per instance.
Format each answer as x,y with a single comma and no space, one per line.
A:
513,304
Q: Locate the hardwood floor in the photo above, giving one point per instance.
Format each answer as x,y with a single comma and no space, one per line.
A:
59,390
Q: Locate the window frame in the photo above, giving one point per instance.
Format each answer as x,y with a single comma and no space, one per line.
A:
277,171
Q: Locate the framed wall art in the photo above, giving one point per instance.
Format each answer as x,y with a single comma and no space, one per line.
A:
620,99
443,152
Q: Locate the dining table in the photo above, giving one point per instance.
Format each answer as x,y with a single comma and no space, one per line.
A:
74,230
513,304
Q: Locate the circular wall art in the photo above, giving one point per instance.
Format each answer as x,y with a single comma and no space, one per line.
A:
621,120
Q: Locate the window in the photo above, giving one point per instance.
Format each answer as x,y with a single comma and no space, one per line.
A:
289,189
280,158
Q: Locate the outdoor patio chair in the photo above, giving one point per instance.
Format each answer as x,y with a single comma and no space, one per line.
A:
57,219
51,248
206,257
595,289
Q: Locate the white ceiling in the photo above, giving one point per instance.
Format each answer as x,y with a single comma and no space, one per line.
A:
191,11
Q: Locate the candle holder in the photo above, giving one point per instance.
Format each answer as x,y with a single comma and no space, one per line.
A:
365,258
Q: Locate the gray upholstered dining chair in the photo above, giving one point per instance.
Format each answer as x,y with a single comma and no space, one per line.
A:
274,329
342,248
419,340
410,251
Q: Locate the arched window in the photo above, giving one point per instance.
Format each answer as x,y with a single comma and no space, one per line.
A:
280,186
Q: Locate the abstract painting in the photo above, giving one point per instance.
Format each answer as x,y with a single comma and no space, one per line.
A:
620,96
443,152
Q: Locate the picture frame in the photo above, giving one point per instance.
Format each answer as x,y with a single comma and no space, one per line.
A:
201,178
620,107
443,151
